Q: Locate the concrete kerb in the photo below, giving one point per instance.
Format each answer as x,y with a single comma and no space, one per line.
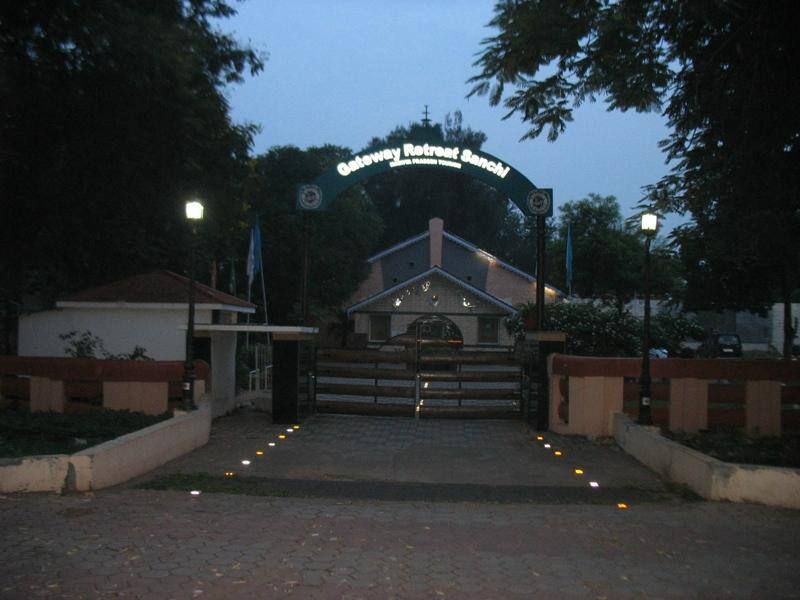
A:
706,476
112,462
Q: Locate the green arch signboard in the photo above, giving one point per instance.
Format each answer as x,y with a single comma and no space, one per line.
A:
481,165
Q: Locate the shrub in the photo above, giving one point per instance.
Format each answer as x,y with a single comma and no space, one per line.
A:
598,330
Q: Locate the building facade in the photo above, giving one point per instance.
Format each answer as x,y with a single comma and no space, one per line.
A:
439,274
149,311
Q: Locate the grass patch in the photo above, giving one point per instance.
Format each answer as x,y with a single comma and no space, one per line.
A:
24,433
734,446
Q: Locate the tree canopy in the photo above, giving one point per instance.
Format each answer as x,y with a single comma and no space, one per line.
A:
339,240
723,73
112,114
608,254
408,199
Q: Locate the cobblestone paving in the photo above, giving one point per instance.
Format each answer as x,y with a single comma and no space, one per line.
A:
135,543
440,451
145,544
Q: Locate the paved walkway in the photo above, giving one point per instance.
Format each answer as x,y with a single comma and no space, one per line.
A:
140,543
494,453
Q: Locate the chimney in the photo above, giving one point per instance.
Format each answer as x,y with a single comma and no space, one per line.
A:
435,228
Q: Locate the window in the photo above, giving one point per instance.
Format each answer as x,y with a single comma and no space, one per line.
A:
379,328
487,330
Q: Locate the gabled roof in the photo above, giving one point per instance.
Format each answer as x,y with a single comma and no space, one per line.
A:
399,246
457,240
438,271
500,263
157,287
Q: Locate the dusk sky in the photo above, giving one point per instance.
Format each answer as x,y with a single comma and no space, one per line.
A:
343,72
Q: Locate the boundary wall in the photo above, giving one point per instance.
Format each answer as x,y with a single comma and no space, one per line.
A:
112,462
585,391
708,477
137,385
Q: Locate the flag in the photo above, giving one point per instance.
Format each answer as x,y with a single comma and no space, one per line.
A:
254,254
568,260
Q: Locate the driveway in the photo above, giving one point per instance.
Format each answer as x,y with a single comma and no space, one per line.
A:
476,458
371,508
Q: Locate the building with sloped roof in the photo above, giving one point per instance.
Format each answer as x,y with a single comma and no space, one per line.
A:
439,274
149,311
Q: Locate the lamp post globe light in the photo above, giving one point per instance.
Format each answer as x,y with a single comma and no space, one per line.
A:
194,213
649,227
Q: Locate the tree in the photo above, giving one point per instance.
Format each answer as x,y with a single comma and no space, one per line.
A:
339,239
408,199
111,115
608,254
724,71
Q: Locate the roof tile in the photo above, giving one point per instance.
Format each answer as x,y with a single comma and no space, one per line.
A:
164,287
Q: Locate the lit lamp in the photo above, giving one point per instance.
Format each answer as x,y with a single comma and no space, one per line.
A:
649,227
194,213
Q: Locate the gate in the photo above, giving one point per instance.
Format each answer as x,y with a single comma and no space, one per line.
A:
422,381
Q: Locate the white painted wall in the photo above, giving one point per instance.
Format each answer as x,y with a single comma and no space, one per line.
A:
160,331
223,365
777,324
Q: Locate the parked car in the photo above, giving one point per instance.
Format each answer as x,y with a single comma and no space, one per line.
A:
721,345
659,353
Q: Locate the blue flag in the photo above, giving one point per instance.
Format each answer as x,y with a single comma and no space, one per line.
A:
254,253
568,260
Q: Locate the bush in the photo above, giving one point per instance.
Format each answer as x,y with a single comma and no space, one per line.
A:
669,331
597,330
86,345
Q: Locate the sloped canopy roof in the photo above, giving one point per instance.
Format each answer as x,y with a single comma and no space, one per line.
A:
157,287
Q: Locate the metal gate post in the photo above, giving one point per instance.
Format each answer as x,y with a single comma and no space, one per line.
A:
417,394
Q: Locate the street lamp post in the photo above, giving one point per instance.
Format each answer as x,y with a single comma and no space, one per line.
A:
194,213
649,226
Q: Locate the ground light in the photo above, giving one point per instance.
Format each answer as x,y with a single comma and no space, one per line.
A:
547,445
271,444
578,471
557,452
540,438
259,453
622,505
195,492
594,484
245,462
229,473
282,436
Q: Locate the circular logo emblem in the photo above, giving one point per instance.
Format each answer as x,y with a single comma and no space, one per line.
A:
539,202
310,197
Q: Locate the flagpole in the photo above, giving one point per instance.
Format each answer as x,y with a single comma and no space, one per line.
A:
264,299
247,333
568,260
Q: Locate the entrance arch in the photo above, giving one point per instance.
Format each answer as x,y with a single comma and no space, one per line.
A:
322,192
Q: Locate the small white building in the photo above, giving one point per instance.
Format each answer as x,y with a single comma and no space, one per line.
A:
150,311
